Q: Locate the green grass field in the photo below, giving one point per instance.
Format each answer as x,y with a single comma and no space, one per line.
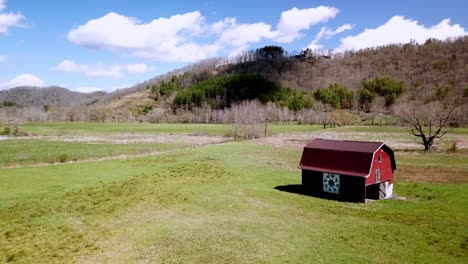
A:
218,204
84,128
32,151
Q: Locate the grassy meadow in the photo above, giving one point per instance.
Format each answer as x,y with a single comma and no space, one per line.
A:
24,152
84,128
220,203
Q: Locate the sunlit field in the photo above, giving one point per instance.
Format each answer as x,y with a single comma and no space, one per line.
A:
220,201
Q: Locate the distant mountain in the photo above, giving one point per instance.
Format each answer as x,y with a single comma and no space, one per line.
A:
51,96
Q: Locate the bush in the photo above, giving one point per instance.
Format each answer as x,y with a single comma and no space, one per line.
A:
63,158
453,147
6,131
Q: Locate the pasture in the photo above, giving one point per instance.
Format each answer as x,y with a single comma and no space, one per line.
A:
186,194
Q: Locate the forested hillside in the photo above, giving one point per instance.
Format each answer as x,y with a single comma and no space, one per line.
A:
39,97
365,84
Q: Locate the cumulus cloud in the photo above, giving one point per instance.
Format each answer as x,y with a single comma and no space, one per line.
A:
293,21
237,37
115,71
400,30
327,33
23,80
167,39
8,20
3,58
188,37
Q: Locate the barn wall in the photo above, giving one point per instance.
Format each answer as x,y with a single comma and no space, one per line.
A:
312,182
385,166
372,191
352,188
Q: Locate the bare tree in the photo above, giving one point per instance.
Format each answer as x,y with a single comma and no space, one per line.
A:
427,121
269,113
245,118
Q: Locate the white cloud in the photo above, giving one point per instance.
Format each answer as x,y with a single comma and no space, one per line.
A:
23,80
3,58
115,71
167,39
238,36
295,20
139,68
187,37
8,20
88,89
327,33
314,44
330,33
400,30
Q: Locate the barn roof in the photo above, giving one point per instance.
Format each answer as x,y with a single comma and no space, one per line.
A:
342,156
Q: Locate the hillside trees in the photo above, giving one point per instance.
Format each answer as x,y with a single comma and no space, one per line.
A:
366,98
386,87
338,96
167,88
223,91
269,52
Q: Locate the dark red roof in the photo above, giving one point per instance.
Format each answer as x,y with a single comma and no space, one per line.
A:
341,156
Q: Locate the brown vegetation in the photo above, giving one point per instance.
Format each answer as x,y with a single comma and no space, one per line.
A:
431,174
435,71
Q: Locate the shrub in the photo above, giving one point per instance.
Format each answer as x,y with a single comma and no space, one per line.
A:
6,131
63,158
453,147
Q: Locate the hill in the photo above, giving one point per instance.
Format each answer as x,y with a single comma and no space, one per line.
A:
53,95
367,82
40,104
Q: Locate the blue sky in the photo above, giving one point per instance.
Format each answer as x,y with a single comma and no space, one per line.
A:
109,44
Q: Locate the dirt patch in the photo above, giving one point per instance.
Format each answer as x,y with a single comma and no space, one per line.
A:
140,138
396,141
431,174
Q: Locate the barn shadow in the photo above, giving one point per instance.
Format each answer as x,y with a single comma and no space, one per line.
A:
292,188
299,189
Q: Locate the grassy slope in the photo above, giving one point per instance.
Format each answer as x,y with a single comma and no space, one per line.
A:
31,151
218,204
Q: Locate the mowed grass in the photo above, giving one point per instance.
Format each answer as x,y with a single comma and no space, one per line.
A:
33,151
85,128
218,204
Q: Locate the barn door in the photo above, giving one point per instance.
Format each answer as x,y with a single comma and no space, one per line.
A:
382,190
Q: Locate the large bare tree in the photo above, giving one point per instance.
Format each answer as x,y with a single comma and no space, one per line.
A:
427,121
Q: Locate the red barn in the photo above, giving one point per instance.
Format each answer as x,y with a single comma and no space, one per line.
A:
347,170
